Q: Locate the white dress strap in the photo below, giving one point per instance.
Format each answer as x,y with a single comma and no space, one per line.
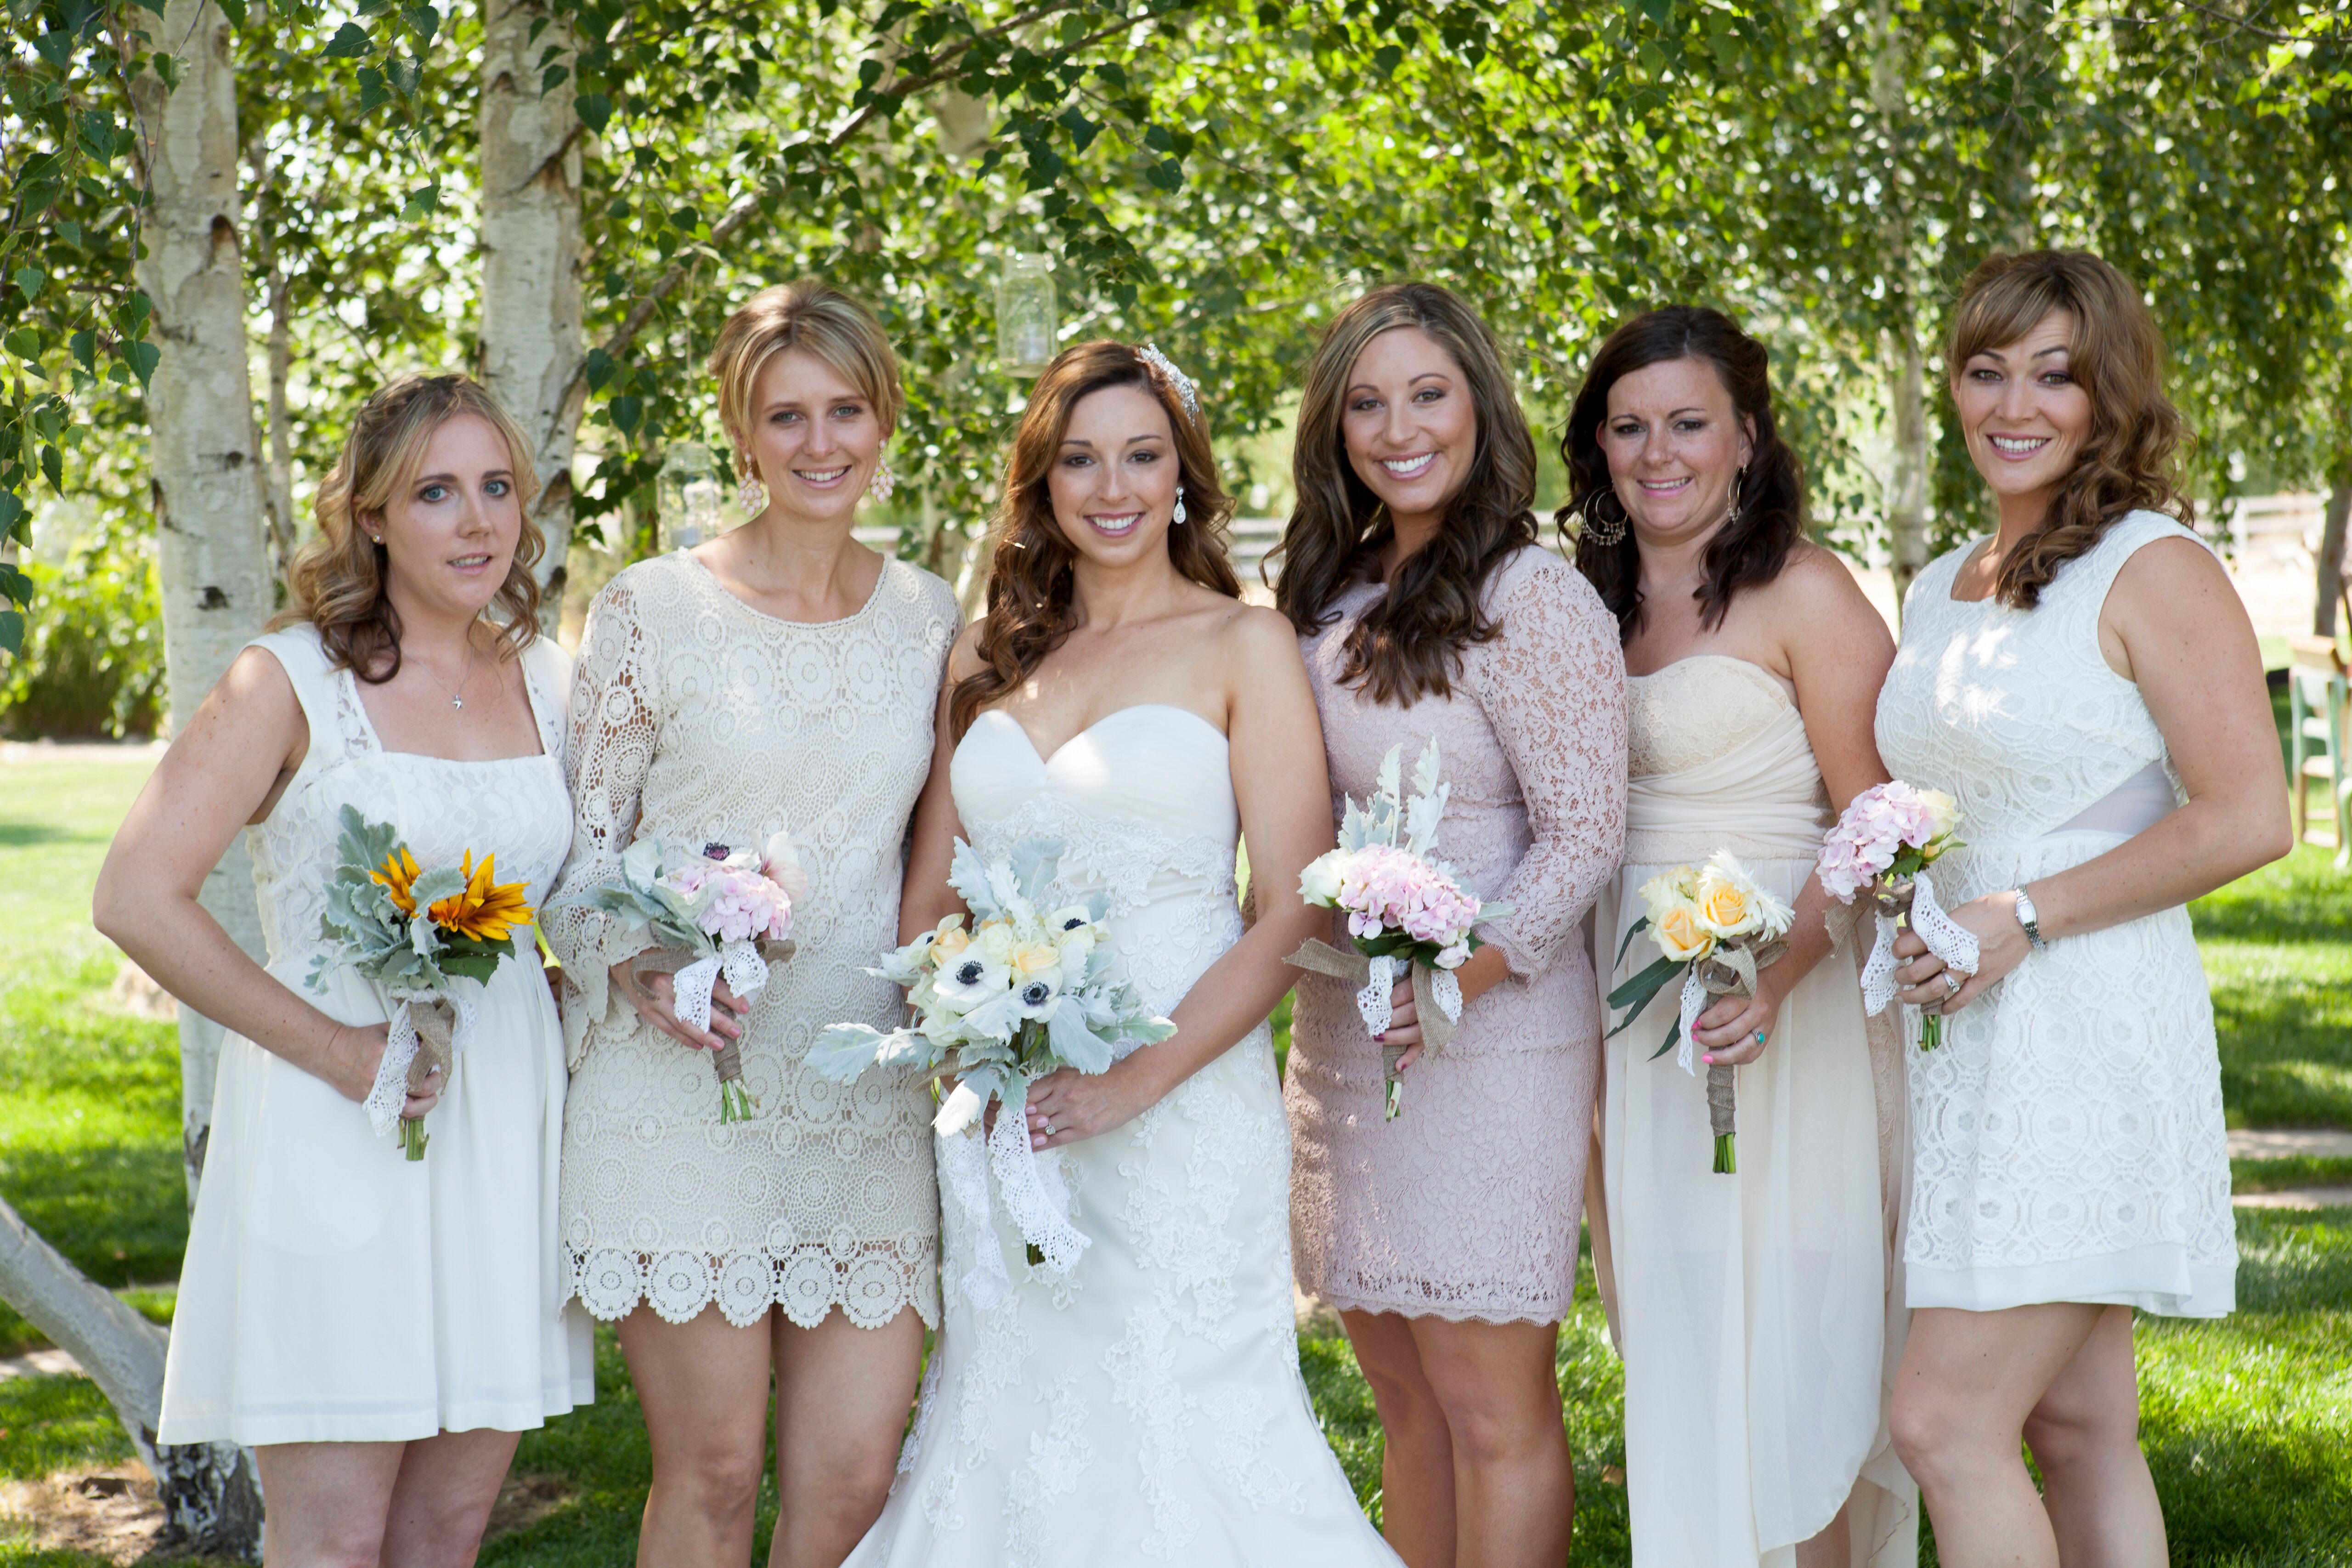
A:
547,678
337,732
2086,579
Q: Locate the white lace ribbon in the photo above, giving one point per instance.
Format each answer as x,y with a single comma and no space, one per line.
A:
1446,990
1373,1001
389,1093
1944,937
1696,998
963,1173
1034,1193
739,962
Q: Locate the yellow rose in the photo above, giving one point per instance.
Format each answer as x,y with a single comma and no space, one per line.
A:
1725,907
1036,960
1679,934
950,945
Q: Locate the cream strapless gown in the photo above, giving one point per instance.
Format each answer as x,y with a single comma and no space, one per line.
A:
1759,1315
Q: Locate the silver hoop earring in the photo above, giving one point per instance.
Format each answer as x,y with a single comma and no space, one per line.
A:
882,482
749,493
1177,518
1605,531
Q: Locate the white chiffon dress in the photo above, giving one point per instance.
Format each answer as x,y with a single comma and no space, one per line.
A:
1148,1407
2068,1137
335,1291
1755,1312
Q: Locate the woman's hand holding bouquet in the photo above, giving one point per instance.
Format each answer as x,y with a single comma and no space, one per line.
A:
1884,843
412,932
1717,928
1028,990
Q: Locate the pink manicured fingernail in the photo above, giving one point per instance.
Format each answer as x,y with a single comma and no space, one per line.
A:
1384,1034
1708,1061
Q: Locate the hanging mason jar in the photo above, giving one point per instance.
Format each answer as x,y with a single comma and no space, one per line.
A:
1025,324
688,494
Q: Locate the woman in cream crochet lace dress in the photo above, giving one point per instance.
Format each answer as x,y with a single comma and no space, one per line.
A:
1752,1308
781,677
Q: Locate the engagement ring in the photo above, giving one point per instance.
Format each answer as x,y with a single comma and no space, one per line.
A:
1952,984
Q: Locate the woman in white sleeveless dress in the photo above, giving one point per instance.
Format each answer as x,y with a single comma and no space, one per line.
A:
2062,680
1752,1308
1120,698
379,1330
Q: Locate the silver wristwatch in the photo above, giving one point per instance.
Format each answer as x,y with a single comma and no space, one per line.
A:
2030,921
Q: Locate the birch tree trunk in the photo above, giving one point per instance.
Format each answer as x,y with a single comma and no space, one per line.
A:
1906,486
532,350
2328,590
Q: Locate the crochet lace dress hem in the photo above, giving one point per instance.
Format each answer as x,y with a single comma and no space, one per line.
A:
1413,1306
807,1284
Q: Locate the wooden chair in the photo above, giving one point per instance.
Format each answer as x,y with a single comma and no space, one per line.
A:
2318,695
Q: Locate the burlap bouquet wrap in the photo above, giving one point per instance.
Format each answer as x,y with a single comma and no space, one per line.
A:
743,966
1437,1003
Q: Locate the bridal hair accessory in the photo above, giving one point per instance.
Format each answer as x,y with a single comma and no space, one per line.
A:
1718,927
1884,843
717,914
412,933
1030,989
749,493
883,481
1178,516
1165,368
1605,531
1408,912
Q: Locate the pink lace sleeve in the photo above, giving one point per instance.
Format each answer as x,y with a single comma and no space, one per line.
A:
1553,689
614,729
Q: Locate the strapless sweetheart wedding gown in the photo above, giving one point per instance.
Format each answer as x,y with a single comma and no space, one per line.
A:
1147,1407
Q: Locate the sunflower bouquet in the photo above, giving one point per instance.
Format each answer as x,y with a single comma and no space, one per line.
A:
412,933
1717,927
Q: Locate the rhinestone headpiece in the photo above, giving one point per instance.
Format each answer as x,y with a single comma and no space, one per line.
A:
1166,368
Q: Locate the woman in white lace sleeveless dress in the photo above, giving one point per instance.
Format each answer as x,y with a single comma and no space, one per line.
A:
1752,1308
2067,680
780,677
379,1330
1146,1406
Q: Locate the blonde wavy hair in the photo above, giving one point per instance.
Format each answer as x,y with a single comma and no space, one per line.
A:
336,582
2114,349
818,319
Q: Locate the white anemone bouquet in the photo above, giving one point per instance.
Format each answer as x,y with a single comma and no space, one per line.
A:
1031,988
1408,912
727,912
1716,926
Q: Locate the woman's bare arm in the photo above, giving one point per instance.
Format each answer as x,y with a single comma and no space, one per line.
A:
225,769
924,898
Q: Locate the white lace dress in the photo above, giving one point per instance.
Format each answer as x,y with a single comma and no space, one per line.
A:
333,1290
1148,1407
2067,1134
698,720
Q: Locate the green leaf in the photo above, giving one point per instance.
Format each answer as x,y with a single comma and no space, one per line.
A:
372,90
12,633
235,11
423,22
600,367
55,47
142,357
405,75
30,279
628,412
426,199
595,110
351,42
553,77
1386,59
1636,929
1167,175
24,342
70,232
1673,1034
53,466
1082,130
84,344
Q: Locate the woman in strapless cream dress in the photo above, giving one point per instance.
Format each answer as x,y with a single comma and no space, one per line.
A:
1753,1310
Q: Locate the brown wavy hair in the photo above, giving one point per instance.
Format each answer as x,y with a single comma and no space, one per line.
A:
2117,352
1030,564
1410,643
336,582
1749,550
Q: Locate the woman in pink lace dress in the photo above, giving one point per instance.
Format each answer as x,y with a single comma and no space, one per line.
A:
1447,1238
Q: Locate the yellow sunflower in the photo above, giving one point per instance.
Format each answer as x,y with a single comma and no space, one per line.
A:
485,910
399,874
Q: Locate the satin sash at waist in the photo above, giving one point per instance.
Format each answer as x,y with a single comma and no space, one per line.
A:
1762,798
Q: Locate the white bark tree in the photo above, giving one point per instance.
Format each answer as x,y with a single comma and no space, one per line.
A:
532,346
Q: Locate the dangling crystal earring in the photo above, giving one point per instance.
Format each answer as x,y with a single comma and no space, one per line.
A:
1605,531
749,493
1178,516
882,482
1738,484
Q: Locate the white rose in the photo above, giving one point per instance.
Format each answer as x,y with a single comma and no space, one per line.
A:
1319,883
781,863
1943,809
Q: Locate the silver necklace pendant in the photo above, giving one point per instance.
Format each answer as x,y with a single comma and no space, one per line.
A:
458,703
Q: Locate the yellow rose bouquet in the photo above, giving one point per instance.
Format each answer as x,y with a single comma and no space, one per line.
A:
1717,927
413,932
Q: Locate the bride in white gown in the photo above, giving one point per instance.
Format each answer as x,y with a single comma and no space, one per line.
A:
1120,698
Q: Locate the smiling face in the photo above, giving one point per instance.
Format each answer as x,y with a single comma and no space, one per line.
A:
2024,415
450,534
1674,443
1408,423
1113,482
814,438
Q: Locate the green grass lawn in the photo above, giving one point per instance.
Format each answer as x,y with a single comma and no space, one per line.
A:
2248,1421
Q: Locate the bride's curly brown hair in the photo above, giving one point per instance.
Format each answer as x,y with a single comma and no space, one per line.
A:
1409,644
2114,349
1029,582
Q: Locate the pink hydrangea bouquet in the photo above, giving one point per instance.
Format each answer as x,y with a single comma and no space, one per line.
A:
727,912
1884,843
1407,911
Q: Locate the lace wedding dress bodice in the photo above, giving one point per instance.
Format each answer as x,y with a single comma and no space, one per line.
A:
2068,1133
1148,1405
